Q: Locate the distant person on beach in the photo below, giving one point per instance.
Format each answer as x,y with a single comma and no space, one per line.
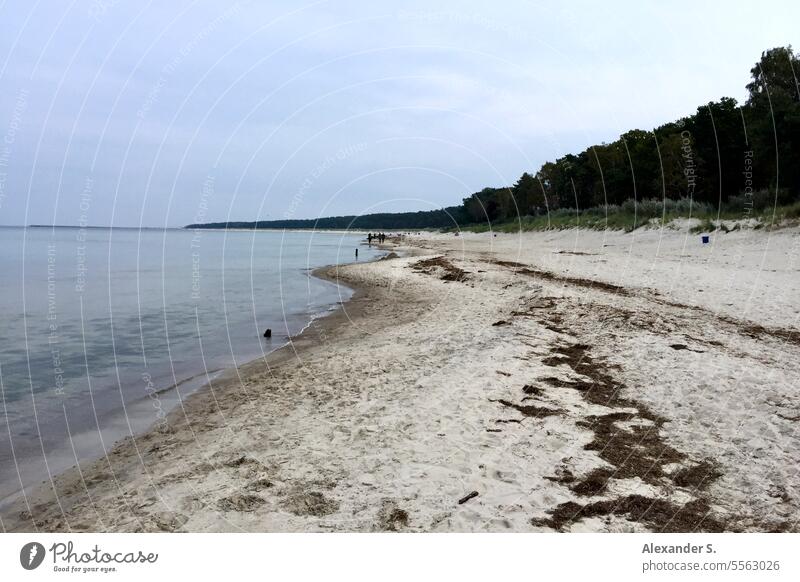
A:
356,253
369,238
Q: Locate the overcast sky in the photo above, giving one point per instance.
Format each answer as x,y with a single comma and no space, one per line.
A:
162,113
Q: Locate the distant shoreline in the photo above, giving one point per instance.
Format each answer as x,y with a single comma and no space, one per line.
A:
216,229
78,227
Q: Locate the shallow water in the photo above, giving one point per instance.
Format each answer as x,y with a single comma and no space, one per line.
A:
97,321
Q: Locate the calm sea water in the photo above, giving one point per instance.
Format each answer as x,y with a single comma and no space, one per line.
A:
96,321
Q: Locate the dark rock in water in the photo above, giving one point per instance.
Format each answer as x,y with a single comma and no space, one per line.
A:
268,333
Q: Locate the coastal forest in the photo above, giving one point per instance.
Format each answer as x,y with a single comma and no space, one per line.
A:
727,160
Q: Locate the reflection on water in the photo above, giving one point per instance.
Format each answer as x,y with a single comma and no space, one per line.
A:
94,320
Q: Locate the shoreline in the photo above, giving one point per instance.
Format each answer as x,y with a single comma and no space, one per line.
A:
566,379
313,334
115,427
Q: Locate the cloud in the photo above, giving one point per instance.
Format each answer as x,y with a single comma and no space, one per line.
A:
447,98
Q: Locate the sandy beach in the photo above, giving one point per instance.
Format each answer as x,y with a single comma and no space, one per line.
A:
565,380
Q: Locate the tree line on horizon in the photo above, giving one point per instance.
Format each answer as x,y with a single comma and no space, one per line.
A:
721,151
724,150
382,221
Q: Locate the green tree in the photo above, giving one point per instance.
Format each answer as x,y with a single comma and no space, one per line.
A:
773,119
528,194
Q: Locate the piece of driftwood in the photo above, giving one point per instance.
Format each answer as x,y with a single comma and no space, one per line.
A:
467,497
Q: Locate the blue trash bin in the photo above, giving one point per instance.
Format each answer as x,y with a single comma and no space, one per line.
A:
705,239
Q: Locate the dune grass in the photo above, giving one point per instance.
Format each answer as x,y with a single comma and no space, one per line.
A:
629,216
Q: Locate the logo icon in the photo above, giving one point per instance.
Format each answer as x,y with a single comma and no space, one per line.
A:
31,555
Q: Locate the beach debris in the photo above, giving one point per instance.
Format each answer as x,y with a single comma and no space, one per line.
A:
238,461
532,390
563,475
658,514
756,331
533,411
310,503
268,333
467,497
594,483
240,502
697,475
789,418
527,270
685,347
191,504
441,267
391,517
259,485
168,521
633,451
779,492
501,322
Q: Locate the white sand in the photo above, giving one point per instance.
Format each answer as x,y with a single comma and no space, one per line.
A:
385,415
